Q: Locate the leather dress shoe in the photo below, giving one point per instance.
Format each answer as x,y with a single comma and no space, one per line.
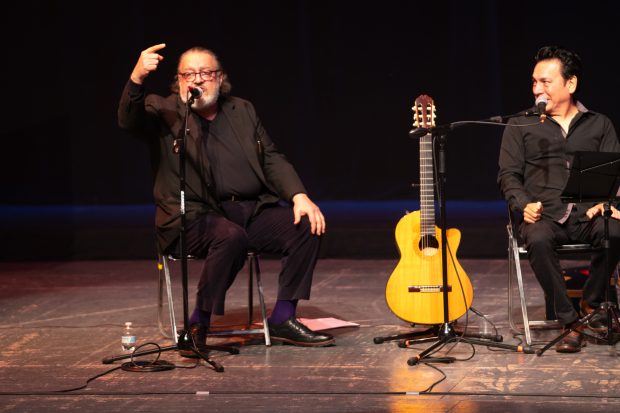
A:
197,334
571,343
293,332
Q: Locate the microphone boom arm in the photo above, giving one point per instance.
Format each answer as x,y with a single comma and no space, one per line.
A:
499,120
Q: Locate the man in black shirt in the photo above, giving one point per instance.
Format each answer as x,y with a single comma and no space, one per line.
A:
534,166
241,192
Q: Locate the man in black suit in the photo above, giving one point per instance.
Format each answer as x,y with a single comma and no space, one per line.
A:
241,192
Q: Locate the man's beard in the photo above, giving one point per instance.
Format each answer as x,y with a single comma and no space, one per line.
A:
206,101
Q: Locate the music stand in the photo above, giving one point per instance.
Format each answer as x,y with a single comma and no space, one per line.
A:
594,177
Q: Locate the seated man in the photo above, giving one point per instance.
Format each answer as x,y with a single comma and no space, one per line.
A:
534,165
241,192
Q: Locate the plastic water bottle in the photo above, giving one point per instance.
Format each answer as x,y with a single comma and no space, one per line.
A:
128,339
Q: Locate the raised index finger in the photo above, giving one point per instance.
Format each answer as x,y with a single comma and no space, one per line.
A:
155,48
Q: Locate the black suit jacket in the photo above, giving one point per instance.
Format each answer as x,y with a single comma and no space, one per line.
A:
159,120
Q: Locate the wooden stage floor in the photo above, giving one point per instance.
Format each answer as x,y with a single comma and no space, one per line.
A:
60,319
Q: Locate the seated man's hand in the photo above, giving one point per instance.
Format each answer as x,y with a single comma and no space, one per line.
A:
532,212
598,209
302,205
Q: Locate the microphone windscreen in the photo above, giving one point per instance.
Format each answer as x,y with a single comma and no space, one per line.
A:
196,92
541,102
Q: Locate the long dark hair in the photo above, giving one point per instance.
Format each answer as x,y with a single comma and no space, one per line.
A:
226,86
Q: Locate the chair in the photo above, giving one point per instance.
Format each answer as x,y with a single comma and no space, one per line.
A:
253,271
515,252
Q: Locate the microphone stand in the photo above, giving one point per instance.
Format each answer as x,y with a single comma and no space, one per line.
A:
184,340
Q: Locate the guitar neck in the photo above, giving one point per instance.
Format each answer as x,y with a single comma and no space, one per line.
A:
427,187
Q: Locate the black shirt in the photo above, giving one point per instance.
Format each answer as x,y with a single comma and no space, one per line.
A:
534,160
231,172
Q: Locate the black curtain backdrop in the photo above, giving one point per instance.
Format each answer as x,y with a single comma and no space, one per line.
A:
333,82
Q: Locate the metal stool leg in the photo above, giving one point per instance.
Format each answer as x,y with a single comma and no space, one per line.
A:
254,265
164,278
512,262
514,271
518,273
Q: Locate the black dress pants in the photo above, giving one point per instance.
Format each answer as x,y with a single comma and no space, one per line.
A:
543,236
225,241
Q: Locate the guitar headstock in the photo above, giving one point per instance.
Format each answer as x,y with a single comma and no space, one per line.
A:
424,112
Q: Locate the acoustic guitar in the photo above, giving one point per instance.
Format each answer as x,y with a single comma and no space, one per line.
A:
414,291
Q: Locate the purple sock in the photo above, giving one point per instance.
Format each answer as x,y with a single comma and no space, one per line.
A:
200,317
282,311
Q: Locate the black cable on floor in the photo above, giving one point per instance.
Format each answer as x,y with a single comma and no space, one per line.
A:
444,376
141,366
87,381
147,366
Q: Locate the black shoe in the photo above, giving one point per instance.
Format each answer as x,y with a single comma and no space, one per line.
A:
572,343
598,323
293,332
197,336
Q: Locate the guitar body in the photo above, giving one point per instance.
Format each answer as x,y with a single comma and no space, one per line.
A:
421,268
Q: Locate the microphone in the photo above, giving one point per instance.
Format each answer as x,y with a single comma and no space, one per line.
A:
195,92
541,104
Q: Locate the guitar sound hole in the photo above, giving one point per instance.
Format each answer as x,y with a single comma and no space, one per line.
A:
428,245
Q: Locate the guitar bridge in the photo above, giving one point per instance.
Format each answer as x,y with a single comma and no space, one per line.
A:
427,288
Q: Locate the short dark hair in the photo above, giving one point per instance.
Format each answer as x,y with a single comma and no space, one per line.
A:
571,62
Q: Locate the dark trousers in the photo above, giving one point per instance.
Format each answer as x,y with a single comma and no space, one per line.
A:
543,236
225,241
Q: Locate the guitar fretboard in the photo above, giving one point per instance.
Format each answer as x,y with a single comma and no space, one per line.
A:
424,117
427,188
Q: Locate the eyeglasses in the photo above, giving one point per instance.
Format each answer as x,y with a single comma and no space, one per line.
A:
204,75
